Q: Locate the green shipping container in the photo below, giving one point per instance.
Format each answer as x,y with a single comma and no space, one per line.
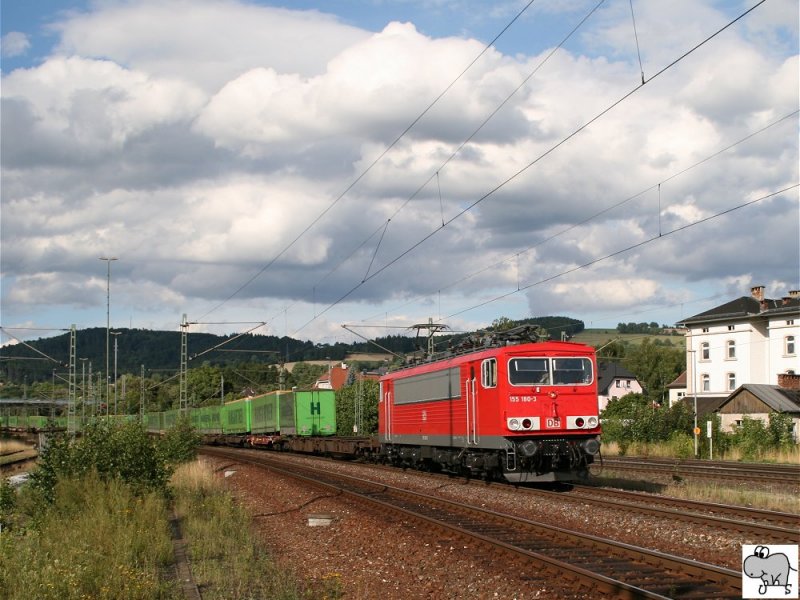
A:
265,410
37,422
315,412
194,417
236,416
209,420
154,421
170,418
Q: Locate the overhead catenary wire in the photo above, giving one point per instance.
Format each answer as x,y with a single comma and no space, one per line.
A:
373,163
592,217
469,138
636,38
546,153
627,249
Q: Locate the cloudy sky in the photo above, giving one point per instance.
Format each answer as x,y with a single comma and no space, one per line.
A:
380,162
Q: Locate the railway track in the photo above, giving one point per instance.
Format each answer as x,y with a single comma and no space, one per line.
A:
763,473
763,525
585,562
779,527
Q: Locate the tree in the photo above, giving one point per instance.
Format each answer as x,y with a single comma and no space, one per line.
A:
655,366
345,407
502,324
203,383
305,374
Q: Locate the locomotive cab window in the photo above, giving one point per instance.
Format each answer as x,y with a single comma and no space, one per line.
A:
570,371
489,373
529,371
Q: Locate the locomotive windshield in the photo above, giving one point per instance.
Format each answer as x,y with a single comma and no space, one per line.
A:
522,371
544,371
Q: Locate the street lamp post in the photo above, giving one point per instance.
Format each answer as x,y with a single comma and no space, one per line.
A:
116,335
108,260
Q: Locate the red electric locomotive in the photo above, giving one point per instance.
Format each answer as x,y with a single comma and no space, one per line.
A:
508,407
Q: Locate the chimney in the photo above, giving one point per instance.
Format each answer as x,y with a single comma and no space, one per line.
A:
786,300
758,292
789,381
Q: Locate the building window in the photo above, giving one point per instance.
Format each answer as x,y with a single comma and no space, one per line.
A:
731,345
705,329
789,345
705,352
706,382
790,322
731,381
618,383
628,383
730,327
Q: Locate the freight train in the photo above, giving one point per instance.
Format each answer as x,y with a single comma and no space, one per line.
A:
502,407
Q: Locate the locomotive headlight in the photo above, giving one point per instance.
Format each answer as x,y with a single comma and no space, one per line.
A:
579,422
513,424
526,423
592,422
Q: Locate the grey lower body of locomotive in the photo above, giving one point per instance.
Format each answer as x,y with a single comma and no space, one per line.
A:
517,460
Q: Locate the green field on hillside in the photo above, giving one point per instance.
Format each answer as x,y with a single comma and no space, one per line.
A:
598,337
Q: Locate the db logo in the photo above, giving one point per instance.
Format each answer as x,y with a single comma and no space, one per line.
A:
553,423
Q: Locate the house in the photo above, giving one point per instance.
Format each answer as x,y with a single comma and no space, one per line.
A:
677,389
338,376
758,401
614,381
334,379
749,340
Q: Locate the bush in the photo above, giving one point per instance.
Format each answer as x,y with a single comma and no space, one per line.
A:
753,438
179,444
110,450
634,418
8,499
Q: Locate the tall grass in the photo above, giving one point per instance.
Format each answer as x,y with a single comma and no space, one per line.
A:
226,559
705,491
96,540
683,447
8,446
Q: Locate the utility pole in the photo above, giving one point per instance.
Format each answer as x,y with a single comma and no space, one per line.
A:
116,336
91,390
71,382
83,389
184,360
141,396
108,260
53,396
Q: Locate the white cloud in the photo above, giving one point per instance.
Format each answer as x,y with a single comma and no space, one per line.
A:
98,104
15,43
199,157
208,42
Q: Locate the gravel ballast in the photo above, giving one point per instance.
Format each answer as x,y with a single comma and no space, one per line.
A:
367,555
